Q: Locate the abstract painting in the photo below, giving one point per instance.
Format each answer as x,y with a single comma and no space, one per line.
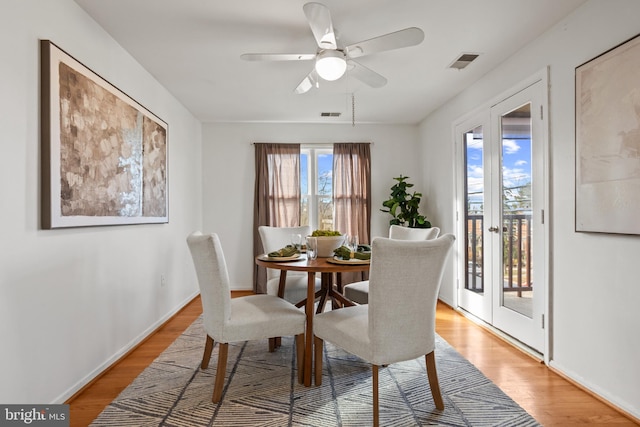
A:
608,141
104,156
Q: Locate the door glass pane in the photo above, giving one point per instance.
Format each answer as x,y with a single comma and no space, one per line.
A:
474,208
517,289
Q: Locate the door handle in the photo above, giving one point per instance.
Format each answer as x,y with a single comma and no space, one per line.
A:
494,229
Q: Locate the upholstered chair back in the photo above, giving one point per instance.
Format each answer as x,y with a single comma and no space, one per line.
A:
213,279
405,233
405,279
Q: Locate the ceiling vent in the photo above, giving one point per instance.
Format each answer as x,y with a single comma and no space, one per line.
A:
330,114
463,60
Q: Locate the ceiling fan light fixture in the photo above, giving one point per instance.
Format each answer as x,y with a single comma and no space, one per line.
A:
331,65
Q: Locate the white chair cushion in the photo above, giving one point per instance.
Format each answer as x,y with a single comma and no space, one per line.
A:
347,328
357,292
261,316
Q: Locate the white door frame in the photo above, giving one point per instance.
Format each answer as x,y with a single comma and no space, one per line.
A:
461,270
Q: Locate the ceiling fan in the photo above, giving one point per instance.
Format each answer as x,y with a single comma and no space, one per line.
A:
333,61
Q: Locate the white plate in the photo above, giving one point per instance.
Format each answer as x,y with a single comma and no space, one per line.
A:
353,261
265,257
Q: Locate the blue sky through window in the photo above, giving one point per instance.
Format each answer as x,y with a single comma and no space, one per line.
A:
325,172
516,168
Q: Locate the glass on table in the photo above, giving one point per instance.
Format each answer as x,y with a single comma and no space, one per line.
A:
296,241
351,241
312,247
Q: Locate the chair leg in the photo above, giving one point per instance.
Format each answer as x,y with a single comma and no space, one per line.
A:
220,371
376,412
336,303
274,343
300,357
317,356
432,374
208,348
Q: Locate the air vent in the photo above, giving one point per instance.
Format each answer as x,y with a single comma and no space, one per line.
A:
464,60
330,114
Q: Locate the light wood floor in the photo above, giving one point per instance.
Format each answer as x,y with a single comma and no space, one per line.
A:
549,398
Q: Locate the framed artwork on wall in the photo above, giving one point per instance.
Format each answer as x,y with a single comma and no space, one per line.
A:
103,155
608,141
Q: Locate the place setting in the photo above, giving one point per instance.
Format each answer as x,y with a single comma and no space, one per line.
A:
290,252
351,252
336,249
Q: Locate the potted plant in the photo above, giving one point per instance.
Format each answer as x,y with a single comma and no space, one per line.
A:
403,206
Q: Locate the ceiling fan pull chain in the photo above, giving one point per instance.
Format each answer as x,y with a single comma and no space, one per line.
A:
353,109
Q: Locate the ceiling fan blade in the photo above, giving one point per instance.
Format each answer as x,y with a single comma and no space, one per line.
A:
366,75
310,81
319,19
403,38
278,56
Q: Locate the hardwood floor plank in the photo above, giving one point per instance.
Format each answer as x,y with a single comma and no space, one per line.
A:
86,405
547,396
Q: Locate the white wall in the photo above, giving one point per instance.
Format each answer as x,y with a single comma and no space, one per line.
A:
595,295
73,300
228,176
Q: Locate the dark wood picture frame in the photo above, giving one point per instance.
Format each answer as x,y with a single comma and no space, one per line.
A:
103,155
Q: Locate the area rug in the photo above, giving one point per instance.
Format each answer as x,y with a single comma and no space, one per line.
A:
264,391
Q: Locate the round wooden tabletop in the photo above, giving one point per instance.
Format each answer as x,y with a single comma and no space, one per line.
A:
318,265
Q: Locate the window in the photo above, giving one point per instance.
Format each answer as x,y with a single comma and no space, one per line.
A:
316,184
286,171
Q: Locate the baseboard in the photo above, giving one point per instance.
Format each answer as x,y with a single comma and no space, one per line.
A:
94,375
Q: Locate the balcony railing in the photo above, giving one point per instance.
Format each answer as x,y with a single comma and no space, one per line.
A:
516,255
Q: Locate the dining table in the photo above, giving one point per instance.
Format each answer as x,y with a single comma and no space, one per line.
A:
326,267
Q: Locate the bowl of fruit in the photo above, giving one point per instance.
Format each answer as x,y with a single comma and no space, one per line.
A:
328,241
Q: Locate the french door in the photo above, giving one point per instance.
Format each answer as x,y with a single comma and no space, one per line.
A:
501,151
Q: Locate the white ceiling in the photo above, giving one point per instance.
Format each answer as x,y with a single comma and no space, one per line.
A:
193,48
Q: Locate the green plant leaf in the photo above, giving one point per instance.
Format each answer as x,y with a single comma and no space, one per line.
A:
403,206
394,208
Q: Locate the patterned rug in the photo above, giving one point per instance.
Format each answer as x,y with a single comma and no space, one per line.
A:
263,391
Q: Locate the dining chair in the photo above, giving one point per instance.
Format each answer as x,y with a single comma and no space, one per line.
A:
405,233
398,324
358,292
227,320
274,238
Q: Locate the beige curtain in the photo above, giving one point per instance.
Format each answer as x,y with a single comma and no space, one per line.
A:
276,195
352,193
